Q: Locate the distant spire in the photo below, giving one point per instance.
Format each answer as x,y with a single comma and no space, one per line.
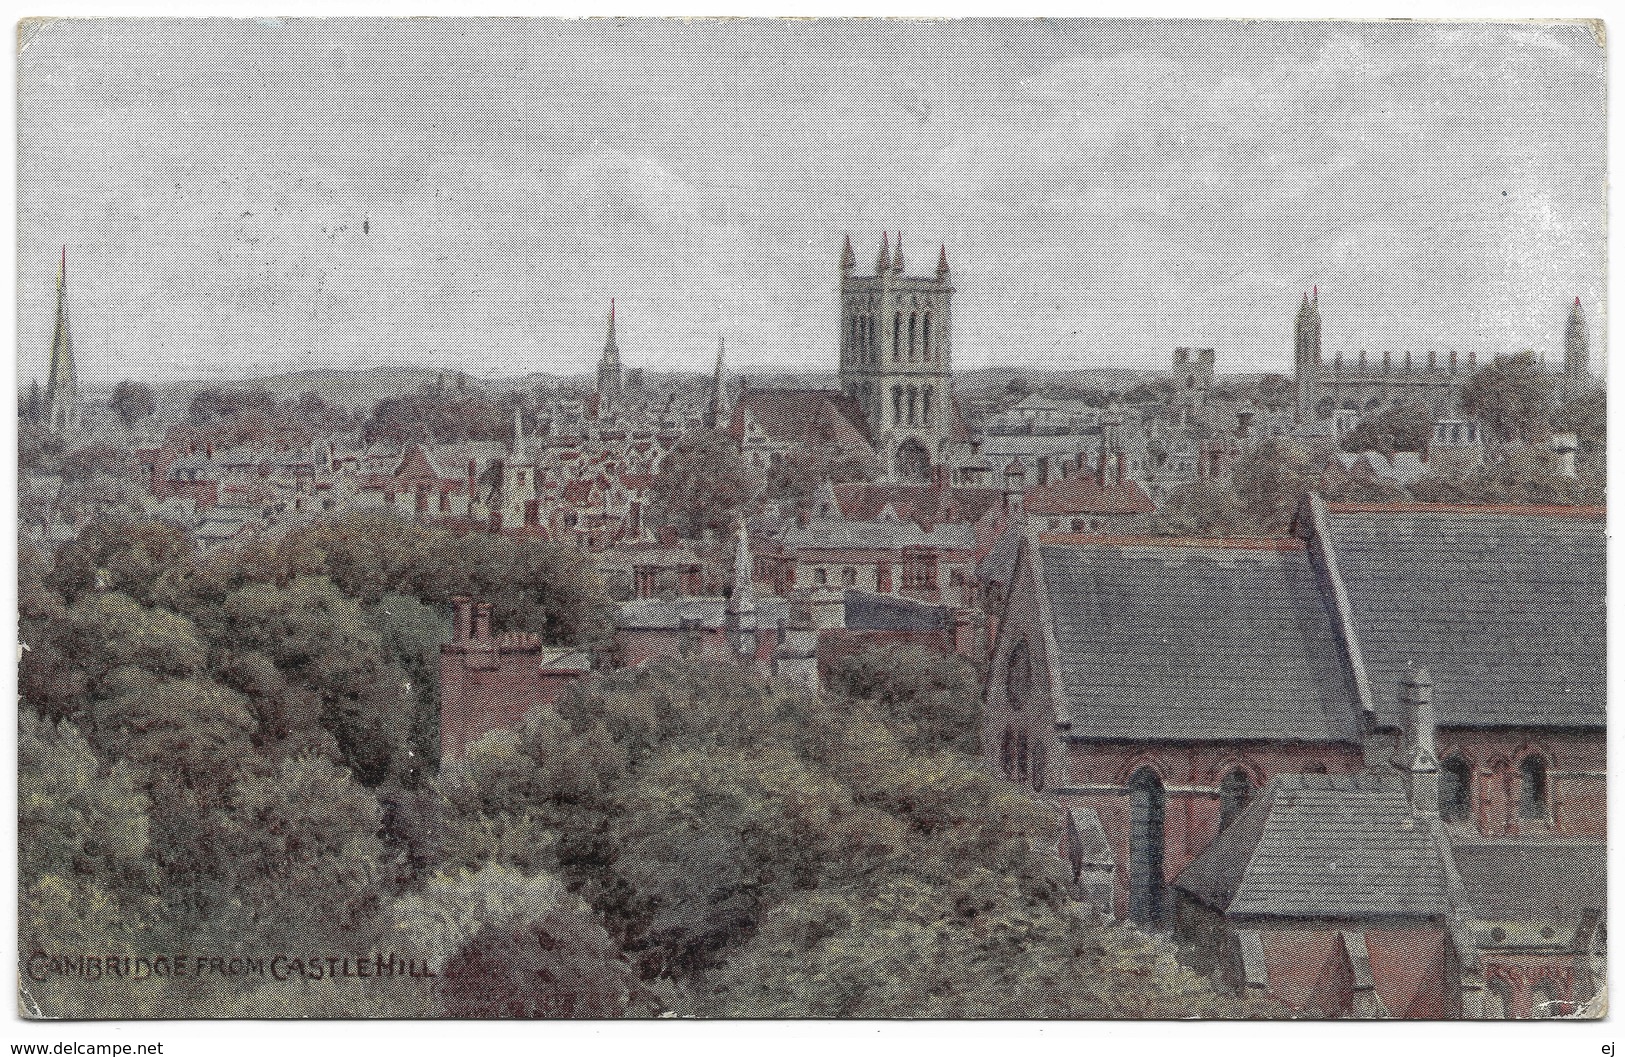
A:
62,386
942,261
717,412
883,262
609,366
849,260
897,255
518,434
1576,344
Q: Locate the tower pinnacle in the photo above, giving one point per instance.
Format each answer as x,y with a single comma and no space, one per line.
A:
849,260
883,262
609,365
942,262
897,255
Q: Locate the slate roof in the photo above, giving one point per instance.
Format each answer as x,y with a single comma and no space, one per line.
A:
1505,609
1533,881
872,612
877,535
1318,846
1195,643
712,613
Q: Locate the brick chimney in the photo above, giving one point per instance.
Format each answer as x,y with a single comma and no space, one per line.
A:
482,622
463,621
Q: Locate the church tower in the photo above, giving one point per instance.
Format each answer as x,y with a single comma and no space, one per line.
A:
1576,351
896,356
1306,355
62,390
609,366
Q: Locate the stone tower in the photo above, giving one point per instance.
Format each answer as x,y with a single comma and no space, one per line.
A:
1306,355
609,365
896,357
1576,350
62,390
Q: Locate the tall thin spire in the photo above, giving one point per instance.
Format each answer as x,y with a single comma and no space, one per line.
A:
897,255
62,387
849,260
942,262
609,366
883,262
717,411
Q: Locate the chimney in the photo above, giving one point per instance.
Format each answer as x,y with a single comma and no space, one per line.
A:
1421,759
482,622
1122,465
1564,445
463,621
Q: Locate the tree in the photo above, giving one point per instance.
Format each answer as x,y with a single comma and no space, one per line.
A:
511,944
1404,427
931,700
1512,396
703,485
132,402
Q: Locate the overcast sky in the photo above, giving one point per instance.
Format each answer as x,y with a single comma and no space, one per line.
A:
1106,191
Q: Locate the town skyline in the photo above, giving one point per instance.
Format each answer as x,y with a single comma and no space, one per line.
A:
326,195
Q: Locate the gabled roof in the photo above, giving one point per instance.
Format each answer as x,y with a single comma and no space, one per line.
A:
805,416
923,503
1504,606
1195,642
1083,496
1324,846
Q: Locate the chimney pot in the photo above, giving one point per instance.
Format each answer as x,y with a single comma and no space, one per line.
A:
482,622
463,624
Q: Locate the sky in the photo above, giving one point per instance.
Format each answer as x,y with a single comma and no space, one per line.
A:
250,197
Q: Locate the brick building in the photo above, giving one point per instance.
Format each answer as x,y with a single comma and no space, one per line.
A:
1163,689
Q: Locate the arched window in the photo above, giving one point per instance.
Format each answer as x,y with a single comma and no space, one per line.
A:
1018,675
1455,789
1147,804
1532,789
1235,793
913,325
1497,999
1021,759
1545,1002
925,335
1007,754
912,401
1040,765
925,414
896,335
896,403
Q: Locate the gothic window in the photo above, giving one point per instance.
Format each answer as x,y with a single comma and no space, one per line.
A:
1018,675
896,335
1022,762
896,403
1497,1000
1235,792
1147,804
1532,789
912,401
925,336
1455,789
1040,765
925,413
1007,754
913,322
